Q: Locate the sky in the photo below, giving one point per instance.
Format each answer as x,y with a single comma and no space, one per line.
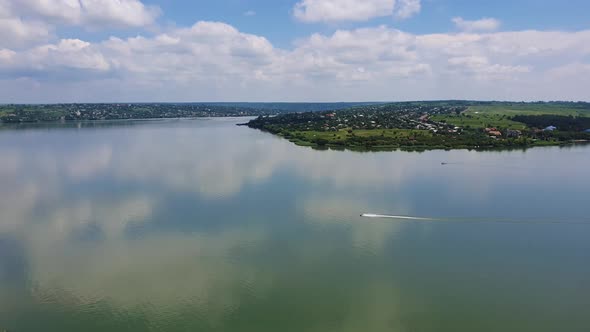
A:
54,51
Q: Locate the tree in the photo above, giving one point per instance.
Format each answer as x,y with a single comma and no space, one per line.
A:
320,141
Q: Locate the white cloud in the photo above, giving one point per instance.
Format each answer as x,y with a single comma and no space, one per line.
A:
87,13
14,32
67,56
250,13
353,10
358,55
6,56
215,61
484,24
198,53
408,8
483,69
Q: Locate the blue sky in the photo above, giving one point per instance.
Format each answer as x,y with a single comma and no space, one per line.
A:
275,21
434,17
293,50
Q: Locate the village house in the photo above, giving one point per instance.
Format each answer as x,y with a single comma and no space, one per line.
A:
495,133
513,133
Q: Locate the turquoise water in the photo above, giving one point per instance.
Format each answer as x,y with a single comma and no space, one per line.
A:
200,225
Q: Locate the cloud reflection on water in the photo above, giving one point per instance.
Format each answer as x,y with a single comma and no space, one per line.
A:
110,182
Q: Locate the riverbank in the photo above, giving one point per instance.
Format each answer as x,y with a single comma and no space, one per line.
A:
427,126
416,147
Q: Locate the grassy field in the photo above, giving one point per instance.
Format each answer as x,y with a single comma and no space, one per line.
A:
570,119
399,133
500,115
343,134
389,137
480,120
528,109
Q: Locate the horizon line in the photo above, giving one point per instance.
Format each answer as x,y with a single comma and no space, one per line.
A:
300,102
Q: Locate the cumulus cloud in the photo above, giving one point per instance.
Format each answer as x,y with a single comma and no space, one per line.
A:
484,24
62,59
198,53
408,8
216,61
482,68
359,55
353,10
120,13
15,32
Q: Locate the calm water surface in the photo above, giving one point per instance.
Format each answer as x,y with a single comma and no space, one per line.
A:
200,225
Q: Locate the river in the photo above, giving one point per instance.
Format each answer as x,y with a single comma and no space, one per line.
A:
201,225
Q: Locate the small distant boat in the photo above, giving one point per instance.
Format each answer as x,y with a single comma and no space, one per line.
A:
443,163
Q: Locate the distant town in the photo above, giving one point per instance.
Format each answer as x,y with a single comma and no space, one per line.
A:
20,113
83,112
435,125
359,126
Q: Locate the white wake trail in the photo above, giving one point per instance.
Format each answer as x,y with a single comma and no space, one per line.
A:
372,215
482,220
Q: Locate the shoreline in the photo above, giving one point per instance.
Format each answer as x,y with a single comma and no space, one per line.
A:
3,122
423,148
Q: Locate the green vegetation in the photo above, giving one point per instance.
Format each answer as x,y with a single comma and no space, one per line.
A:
295,107
82,112
564,123
434,125
360,139
497,114
361,126
579,109
78,112
479,120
